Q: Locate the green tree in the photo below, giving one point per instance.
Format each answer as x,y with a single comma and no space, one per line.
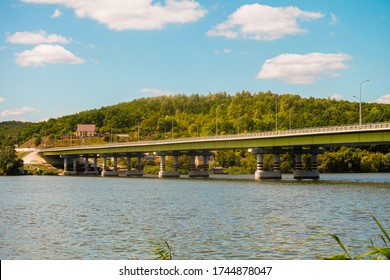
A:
10,163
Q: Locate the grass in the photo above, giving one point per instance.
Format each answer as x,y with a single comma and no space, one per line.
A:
162,250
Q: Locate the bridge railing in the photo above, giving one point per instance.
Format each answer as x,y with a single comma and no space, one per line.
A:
291,132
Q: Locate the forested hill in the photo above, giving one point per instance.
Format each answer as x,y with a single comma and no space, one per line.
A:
197,114
10,131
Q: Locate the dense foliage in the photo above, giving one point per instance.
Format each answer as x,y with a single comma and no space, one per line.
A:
10,163
194,115
202,115
10,131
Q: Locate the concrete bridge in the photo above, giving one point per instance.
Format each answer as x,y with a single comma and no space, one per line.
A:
299,141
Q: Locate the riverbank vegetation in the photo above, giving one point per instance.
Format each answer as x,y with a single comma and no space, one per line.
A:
179,116
375,252
10,162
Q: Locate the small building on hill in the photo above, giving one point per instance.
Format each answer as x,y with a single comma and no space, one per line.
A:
86,130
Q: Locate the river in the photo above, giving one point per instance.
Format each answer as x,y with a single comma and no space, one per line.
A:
224,217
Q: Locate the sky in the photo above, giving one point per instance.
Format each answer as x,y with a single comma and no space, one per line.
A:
59,57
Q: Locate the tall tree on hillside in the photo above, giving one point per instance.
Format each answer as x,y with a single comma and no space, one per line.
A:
10,163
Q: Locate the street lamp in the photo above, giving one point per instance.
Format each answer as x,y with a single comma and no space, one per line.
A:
216,120
172,127
360,103
276,113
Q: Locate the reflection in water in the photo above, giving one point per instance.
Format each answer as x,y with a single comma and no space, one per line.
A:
238,218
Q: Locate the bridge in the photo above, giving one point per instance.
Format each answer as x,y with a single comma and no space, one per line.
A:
299,141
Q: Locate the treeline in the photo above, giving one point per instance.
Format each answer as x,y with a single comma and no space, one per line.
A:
194,115
202,115
332,160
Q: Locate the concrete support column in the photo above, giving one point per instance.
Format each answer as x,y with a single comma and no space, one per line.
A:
298,162
75,165
314,162
205,162
259,159
128,163
104,164
276,162
140,167
176,163
86,164
95,164
115,164
162,163
65,164
192,163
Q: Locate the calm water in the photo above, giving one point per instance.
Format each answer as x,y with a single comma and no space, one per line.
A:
235,218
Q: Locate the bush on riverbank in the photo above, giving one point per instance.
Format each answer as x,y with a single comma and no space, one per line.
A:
10,163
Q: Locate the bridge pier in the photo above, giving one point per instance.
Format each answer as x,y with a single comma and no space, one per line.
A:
66,165
106,172
74,166
87,170
203,172
262,174
313,173
134,173
166,174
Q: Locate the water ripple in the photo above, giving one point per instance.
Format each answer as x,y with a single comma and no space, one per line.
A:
117,218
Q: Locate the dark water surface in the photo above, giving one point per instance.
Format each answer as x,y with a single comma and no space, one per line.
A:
231,217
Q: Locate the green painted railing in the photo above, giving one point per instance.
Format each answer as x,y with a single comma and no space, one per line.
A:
369,134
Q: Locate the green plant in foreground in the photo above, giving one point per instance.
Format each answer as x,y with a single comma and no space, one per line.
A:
375,253
162,250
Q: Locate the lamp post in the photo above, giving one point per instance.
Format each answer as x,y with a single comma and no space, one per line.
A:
276,113
138,132
360,103
216,120
111,134
172,127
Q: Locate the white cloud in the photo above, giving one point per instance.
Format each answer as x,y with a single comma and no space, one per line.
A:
46,54
385,99
303,69
261,22
2,99
17,111
36,37
336,96
57,13
133,14
156,92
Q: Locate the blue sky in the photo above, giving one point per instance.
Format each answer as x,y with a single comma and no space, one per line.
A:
59,57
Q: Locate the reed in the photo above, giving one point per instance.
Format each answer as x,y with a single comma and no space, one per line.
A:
375,252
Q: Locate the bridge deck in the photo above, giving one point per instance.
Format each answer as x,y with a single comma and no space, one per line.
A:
370,134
